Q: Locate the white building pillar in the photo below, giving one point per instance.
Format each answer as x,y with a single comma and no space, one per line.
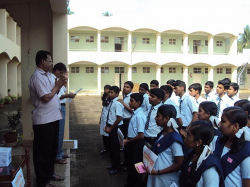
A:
234,74
158,74
185,44
99,80
210,44
3,22
11,29
18,35
129,42
233,45
12,77
98,41
19,80
211,73
129,73
3,76
185,74
158,42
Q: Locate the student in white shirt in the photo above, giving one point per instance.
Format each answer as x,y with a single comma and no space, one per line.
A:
195,91
173,97
143,89
154,84
233,91
209,94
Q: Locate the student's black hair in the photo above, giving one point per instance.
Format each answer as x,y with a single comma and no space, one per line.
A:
210,83
130,83
155,82
224,83
137,97
158,93
196,86
210,108
41,55
180,84
116,89
235,86
59,66
107,86
167,111
145,86
168,89
171,82
245,105
235,115
204,131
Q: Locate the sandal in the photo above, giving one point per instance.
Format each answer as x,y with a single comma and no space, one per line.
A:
56,177
66,156
61,161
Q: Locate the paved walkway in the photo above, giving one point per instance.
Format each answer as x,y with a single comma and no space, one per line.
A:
88,166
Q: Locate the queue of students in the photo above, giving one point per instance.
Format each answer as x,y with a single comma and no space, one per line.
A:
199,141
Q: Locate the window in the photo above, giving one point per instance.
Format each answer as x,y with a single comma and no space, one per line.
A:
134,69
75,70
119,40
219,43
172,70
219,70
161,40
227,41
206,70
134,40
228,71
90,39
162,70
74,38
172,41
104,39
89,69
206,43
146,69
119,69
197,70
104,69
146,40
248,71
196,42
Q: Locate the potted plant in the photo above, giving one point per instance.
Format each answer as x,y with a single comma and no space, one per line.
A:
1,102
14,97
7,100
13,121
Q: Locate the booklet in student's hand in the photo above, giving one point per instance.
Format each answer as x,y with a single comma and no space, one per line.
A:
120,137
149,158
140,167
70,99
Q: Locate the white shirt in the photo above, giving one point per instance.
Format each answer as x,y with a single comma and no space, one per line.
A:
175,98
62,90
126,100
115,109
211,96
224,103
234,98
170,102
145,104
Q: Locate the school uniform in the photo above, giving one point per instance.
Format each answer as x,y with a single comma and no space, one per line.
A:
145,104
170,102
235,165
210,97
200,100
166,148
175,98
151,128
234,98
222,103
187,107
135,149
115,109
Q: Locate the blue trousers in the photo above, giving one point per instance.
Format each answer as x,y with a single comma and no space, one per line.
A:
61,133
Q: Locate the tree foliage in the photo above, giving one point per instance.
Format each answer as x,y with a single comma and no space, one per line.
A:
244,40
107,14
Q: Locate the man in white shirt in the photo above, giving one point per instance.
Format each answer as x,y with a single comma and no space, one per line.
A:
195,91
233,91
173,97
209,94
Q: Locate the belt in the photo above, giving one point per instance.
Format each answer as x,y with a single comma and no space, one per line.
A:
63,104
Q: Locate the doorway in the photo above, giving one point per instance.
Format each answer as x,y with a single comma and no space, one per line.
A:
196,46
118,47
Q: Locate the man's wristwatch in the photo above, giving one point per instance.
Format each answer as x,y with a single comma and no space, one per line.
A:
158,172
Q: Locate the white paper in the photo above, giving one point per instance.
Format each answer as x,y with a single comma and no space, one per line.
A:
149,158
19,179
120,137
70,99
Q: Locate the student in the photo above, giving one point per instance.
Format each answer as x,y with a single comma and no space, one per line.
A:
201,168
151,128
105,103
207,112
222,100
209,94
173,97
233,91
114,118
188,106
135,141
169,149
154,84
195,91
245,105
143,89
167,100
127,91
233,148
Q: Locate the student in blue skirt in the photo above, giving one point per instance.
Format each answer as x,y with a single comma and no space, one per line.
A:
233,148
169,148
201,168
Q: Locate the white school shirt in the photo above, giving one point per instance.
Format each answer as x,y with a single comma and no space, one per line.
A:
170,102
153,129
145,104
126,100
188,106
234,98
234,179
104,114
175,98
211,96
137,123
62,90
225,102
116,109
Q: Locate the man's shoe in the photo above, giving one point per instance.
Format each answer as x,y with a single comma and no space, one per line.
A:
103,151
114,171
109,167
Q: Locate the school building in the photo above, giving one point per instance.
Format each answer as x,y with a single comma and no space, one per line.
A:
110,51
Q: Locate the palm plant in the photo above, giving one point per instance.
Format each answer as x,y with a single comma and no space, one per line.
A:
244,40
107,14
